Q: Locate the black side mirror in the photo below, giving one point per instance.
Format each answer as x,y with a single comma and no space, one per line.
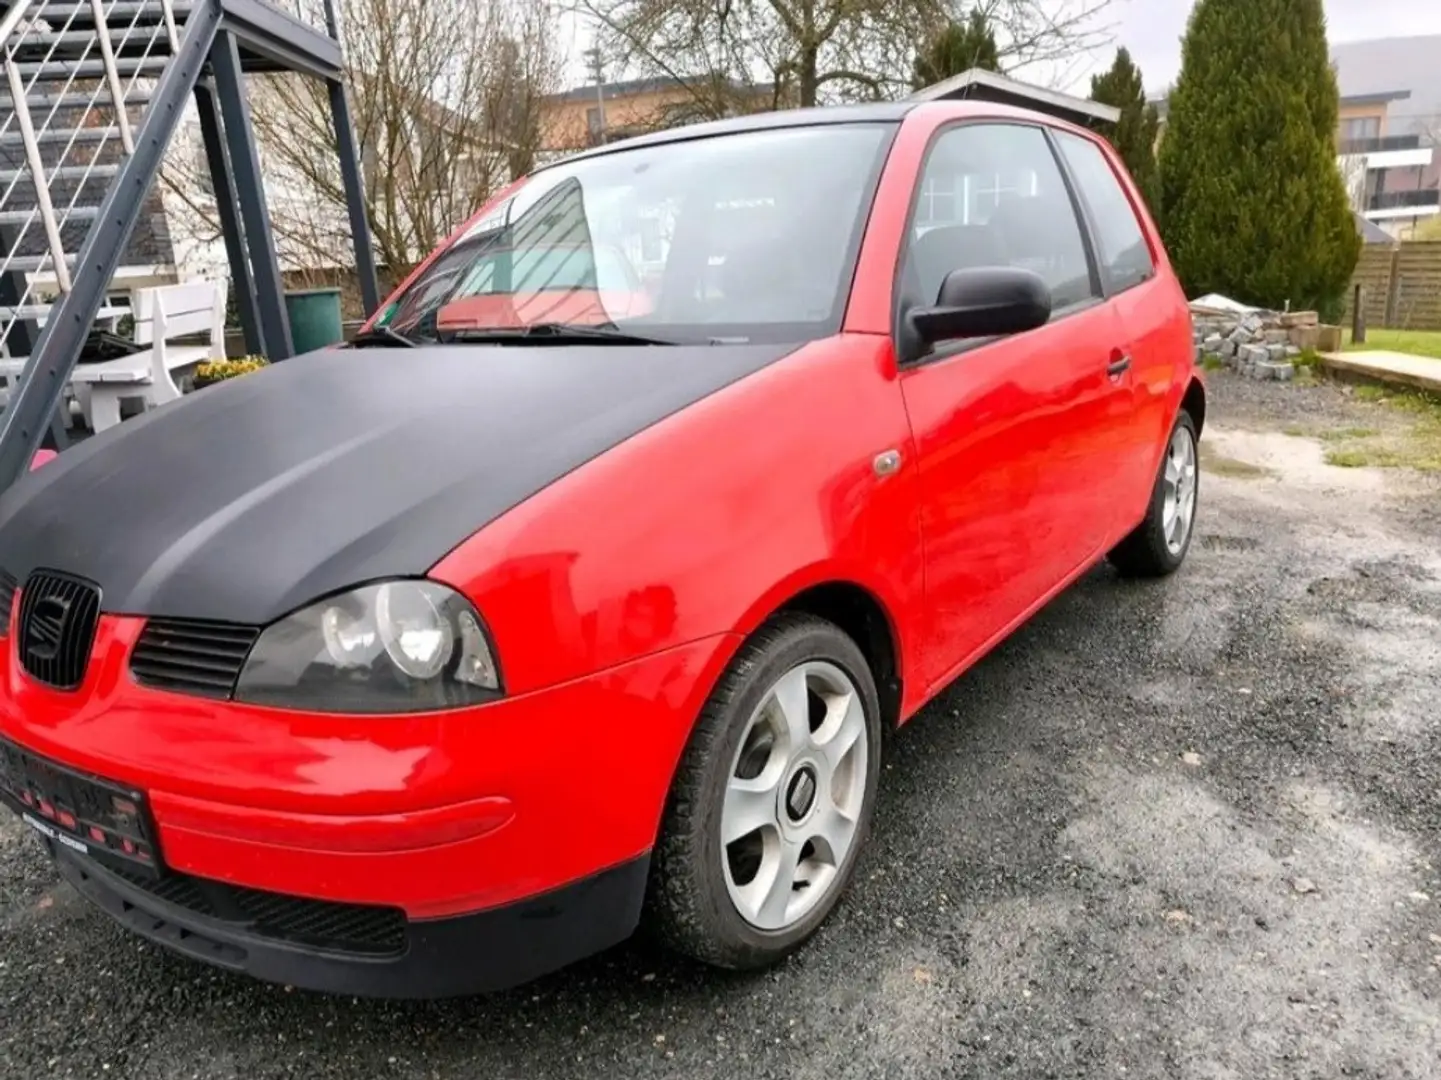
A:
984,302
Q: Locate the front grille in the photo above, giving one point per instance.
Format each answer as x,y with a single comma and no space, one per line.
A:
8,585
58,617
192,657
318,924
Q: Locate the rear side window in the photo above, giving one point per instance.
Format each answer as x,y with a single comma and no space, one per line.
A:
994,195
1123,249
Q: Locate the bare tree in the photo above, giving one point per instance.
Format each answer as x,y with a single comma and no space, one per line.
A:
813,52
446,98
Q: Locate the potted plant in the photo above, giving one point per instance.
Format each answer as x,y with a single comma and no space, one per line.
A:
214,371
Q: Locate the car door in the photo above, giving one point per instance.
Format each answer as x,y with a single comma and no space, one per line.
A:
1012,480
1152,314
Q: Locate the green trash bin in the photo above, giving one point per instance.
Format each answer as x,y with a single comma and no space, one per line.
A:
314,318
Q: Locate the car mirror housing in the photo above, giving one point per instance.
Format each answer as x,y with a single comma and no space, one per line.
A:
984,302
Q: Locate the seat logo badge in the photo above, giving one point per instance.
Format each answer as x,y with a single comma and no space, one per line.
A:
47,628
887,463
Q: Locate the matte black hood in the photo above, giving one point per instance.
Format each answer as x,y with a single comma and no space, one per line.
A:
246,500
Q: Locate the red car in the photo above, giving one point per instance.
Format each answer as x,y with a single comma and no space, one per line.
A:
425,666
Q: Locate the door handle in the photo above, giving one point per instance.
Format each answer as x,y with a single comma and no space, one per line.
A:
1118,367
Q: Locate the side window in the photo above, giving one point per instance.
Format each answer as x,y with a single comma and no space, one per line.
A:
993,195
1123,246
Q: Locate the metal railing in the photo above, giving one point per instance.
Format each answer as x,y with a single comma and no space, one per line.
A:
1380,144
77,73
1401,200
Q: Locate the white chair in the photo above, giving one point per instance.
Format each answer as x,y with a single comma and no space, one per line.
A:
161,314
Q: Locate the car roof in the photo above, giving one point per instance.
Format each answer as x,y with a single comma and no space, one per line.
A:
885,112
889,112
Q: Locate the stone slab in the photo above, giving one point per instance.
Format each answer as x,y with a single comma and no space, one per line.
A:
1378,365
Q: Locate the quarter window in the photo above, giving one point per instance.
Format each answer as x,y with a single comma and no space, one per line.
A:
1124,251
993,195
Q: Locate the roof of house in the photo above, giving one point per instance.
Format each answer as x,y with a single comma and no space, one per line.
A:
1409,67
634,87
980,85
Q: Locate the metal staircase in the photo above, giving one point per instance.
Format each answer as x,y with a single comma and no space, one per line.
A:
78,77
91,94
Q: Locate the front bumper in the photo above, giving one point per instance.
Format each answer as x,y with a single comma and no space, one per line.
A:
523,825
433,958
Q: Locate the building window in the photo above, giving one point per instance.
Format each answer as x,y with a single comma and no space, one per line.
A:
1356,128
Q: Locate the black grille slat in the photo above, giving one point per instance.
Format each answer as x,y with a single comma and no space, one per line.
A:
58,618
192,657
338,927
8,585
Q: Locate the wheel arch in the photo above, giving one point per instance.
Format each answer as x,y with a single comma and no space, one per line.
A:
863,617
1193,403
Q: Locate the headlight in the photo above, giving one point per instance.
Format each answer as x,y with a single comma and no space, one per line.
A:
399,646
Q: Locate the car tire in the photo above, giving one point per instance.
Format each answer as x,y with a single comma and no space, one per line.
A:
1157,546
727,904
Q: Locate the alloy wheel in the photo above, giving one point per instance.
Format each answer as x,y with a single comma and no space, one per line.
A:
794,795
1178,509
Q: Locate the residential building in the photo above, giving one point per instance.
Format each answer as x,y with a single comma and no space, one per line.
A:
586,116
1389,129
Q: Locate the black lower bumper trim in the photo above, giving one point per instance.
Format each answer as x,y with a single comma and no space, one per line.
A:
468,954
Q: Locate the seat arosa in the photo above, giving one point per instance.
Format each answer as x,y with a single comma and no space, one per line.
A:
577,593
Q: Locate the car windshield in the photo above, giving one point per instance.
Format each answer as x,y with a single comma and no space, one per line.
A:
743,237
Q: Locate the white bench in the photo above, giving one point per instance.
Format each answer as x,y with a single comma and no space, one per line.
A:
161,314
11,367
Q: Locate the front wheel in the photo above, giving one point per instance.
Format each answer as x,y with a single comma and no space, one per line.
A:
773,799
1158,545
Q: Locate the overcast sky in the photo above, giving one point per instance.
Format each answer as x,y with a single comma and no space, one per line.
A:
1152,29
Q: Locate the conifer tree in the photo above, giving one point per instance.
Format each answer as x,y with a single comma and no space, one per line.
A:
957,47
1135,133
1252,200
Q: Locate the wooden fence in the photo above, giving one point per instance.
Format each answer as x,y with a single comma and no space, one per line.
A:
1402,285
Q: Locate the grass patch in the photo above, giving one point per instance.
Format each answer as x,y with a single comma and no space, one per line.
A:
1414,342
1213,363
1308,359
1415,445
1347,433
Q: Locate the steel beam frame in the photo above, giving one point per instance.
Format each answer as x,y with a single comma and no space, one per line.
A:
250,194
56,349
242,280
229,35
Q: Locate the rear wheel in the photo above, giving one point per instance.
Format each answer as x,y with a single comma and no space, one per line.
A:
1159,544
773,799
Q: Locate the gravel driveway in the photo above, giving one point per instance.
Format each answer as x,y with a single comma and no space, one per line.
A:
1181,830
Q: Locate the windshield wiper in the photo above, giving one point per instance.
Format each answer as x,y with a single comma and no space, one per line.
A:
554,331
382,337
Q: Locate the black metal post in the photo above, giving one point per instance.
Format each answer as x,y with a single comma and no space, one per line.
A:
33,405
241,279
351,177
250,193
354,198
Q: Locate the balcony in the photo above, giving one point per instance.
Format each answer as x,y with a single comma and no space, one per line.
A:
1380,144
1388,152
1398,204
